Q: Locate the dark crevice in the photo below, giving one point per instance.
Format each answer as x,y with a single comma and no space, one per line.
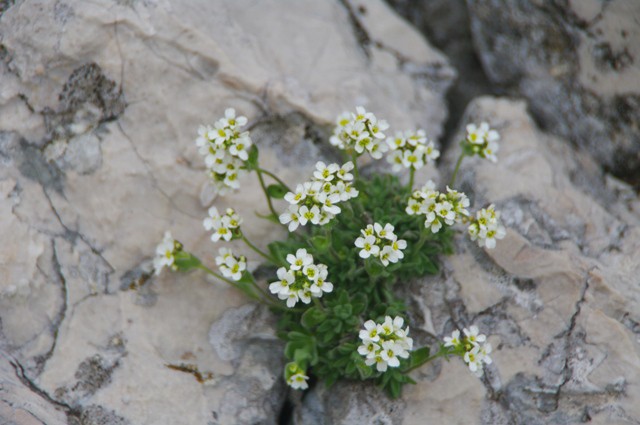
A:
361,34
446,25
285,416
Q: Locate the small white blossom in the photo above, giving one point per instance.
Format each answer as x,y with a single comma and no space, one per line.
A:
302,281
486,228
384,344
473,347
411,150
380,242
298,381
282,286
482,141
165,252
360,132
233,267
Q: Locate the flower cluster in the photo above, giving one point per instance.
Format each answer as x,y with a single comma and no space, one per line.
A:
302,280
223,226
486,227
315,201
381,242
472,347
384,344
230,265
165,253
296,377
482,140
225,149
359,132
438,208
411,150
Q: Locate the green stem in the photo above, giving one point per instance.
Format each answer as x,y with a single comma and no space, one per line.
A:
273,176
441,353
412,174
216,275
422,240
317,302
258,250
354,159
455,171
266,194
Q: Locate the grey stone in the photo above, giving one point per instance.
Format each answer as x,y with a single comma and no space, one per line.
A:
574,61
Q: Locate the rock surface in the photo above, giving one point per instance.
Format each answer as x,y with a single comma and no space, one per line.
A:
578,64
558,297
99,106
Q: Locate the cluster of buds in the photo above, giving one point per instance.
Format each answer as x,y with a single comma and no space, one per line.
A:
316,201
230,265
295,376
411,150
165,253
380,242
225,149
473,348
485,228
384,344
302,280
359,132
482,141
224,226
438,208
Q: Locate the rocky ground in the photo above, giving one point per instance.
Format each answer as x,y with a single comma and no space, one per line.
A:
99,106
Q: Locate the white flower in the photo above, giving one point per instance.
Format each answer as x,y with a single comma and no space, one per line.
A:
309,215
231,120
165,253
223,254
368,349
453,340
483,141
295,198
368,246
385,344
473,336
325,172
381,364
474,361
486,228
344,171
282,286
388,353
233,267
301,259
291,217
360,131
370,332
298,381
385,232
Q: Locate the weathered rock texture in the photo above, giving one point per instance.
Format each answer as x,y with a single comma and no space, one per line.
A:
577,63
558,297
99,106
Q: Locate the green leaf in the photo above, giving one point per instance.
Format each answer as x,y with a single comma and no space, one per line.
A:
343,311
313,317
271,217
320,243
252,161
186,261
276,191
374,267
418,357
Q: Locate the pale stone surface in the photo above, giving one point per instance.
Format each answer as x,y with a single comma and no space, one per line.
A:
577,62
99,106
558,297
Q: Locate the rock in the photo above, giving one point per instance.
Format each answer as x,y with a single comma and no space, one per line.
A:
20,404
557,297
576,63
99,107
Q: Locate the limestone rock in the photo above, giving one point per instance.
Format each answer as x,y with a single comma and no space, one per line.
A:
557,296
577,64
99,106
